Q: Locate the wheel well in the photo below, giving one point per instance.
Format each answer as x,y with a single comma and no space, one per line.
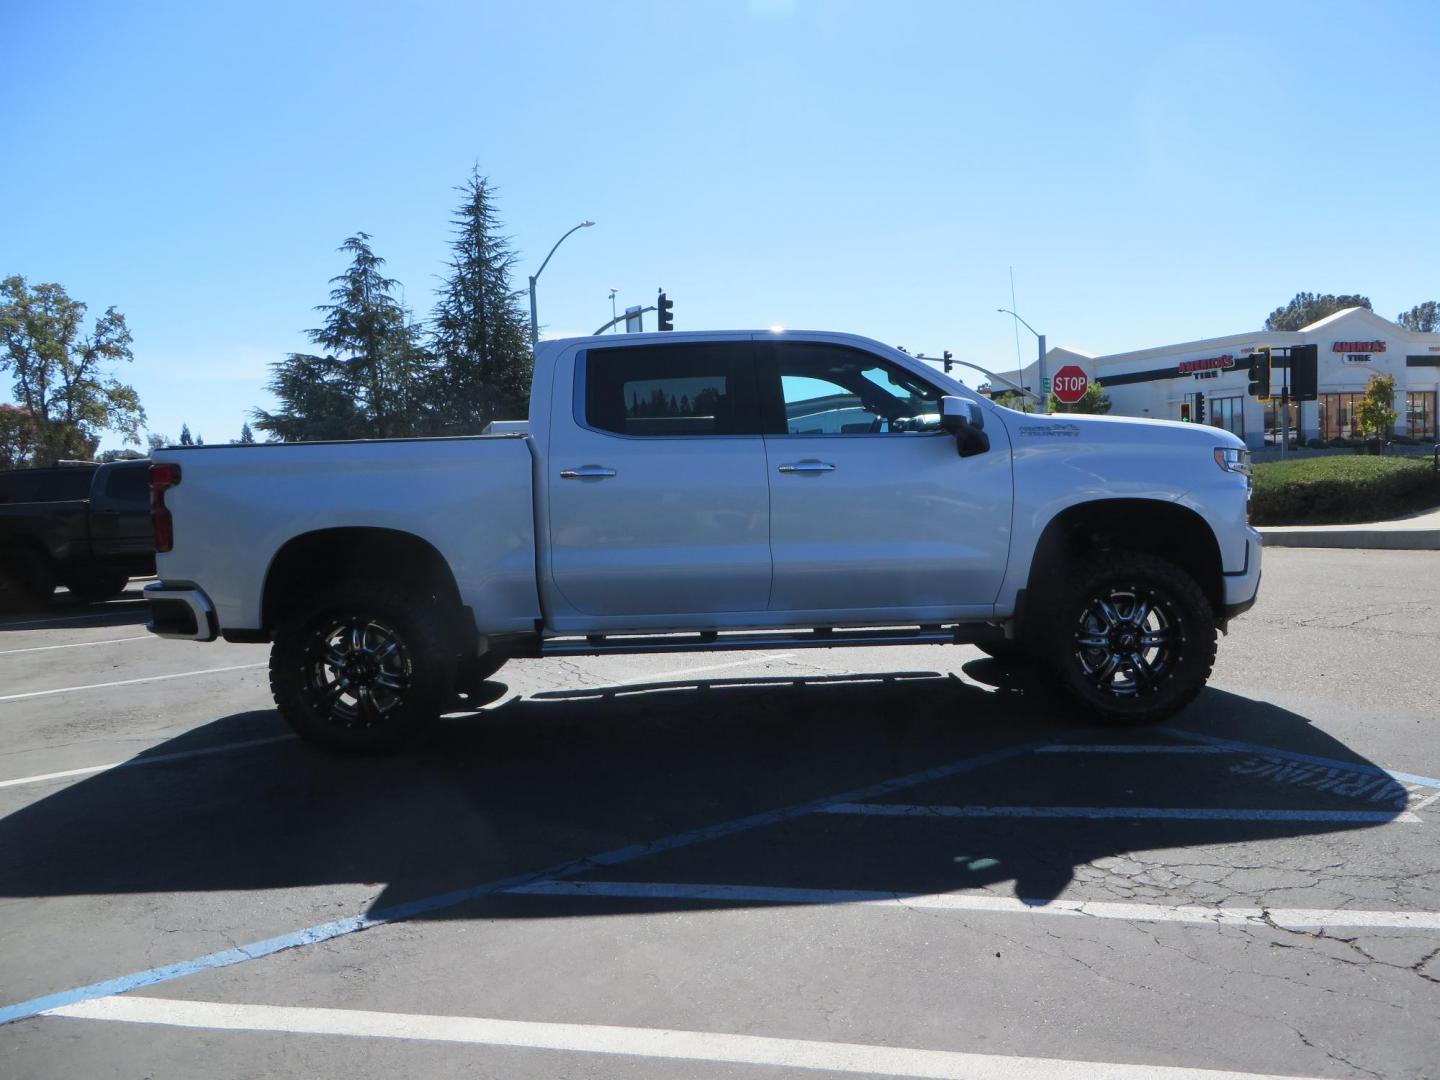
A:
1171,532
313,562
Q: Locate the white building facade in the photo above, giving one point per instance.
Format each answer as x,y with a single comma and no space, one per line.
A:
1210,377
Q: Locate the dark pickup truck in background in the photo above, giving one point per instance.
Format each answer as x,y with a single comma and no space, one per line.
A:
86,527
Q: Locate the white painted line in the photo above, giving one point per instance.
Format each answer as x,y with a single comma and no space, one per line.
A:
128,682
627,1041
1131,748
1423,803
1120,813
1284,918
158,759
129,610
80,644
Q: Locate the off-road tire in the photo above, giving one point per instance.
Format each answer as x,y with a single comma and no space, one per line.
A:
26,579
403,663
97,586
1175,644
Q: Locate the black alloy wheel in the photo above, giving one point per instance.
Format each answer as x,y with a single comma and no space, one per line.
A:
363,668
1129,639
1133,638
357,670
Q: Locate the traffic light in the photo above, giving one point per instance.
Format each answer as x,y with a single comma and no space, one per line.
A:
1185,412
665,312
1304,377
1260,373
1199,408
949,359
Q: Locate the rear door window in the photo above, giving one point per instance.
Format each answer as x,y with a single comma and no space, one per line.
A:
671,391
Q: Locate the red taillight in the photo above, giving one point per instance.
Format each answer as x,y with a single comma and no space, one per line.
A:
163,476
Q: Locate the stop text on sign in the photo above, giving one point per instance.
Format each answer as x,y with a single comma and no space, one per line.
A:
1070,384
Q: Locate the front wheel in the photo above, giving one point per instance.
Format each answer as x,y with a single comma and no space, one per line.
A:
362,669
1132,638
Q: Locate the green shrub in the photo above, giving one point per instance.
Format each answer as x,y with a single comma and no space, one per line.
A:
1334,490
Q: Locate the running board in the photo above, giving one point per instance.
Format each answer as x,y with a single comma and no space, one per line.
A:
597,644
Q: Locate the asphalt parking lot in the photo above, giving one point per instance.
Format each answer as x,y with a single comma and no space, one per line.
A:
886,862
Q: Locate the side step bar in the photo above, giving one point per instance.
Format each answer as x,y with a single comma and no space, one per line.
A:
599,644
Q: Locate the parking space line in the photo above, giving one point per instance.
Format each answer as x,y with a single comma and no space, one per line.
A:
131,763
128,682
1122,813
313,935
655,1043
1284,918
129,611
80,644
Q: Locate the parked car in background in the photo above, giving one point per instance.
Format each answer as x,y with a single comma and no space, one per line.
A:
86,527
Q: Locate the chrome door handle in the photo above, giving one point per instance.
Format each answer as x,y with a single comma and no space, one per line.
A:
808,467
586,472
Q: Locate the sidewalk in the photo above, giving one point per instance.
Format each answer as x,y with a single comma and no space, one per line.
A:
1419,532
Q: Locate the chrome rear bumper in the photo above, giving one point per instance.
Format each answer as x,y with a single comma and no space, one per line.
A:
181,611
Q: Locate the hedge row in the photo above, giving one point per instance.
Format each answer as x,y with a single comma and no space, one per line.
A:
1334,490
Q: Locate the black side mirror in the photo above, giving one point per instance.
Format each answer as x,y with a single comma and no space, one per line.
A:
964,419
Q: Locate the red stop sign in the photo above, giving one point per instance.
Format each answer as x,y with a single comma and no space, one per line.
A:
1070,384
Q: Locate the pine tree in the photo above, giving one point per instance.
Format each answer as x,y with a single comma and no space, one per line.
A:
186,439
371,380
480,336
247,437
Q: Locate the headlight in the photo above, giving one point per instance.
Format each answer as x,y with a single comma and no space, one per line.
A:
1233,460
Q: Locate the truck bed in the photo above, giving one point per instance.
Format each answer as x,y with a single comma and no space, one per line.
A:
470,497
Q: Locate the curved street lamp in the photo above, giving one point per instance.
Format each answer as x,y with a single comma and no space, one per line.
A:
534,322
1040,366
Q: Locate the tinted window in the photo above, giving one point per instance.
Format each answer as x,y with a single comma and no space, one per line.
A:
46,485
129,483
832,390
671,390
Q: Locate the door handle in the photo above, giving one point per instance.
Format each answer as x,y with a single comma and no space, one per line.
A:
808,467
586,472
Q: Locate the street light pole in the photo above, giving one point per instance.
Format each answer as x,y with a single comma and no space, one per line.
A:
534,320
1040,366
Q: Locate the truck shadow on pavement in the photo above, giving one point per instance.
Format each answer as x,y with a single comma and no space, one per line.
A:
532,782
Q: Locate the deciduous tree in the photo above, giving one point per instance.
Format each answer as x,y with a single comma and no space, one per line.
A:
62,375
1375,411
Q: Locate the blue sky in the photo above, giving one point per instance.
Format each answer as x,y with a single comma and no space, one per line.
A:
1153,172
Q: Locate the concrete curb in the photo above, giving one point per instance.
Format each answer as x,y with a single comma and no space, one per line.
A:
1351,536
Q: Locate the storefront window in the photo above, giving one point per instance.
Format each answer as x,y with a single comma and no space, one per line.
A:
1272,422
1228,413
1420,414
1337,416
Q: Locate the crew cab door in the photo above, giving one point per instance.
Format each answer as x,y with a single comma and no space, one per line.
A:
657,491
872,510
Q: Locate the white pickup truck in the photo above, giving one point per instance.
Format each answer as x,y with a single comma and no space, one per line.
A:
709,491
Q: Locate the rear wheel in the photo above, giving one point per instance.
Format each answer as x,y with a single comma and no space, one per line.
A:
364,668
97,586
26,579
1132,639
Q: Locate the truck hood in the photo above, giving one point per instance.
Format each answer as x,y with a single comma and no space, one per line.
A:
1115,429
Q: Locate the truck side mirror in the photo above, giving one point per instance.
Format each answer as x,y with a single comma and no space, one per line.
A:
964,419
